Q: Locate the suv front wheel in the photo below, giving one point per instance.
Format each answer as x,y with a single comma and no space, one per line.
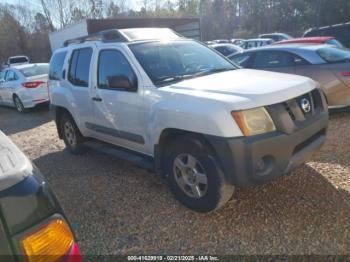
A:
195,176
72,137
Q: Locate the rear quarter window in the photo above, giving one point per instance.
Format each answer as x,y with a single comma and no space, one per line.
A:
334,54
56,65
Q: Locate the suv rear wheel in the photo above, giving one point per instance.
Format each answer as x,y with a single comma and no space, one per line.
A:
72,137
195,176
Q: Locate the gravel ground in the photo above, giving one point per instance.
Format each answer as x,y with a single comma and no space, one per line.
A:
117,208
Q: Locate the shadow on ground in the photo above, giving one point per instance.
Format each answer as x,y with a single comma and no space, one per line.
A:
117,208
12,122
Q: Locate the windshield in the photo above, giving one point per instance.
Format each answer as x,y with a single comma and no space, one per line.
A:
35,70
166,62
334,54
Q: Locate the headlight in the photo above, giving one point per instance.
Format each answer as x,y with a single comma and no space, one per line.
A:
254,121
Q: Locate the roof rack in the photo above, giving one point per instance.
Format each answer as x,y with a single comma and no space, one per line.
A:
107,36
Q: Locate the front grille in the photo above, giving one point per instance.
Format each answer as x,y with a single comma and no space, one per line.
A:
297,112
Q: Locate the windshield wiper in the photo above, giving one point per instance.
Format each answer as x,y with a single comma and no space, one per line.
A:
172,79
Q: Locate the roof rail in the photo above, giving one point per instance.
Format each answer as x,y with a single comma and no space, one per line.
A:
106,36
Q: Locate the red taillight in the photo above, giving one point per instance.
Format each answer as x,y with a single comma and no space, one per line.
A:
74,254
33,84
345,73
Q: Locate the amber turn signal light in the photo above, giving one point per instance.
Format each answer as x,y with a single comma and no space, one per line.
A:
49,243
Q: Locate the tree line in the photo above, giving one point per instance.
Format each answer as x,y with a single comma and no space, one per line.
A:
24,30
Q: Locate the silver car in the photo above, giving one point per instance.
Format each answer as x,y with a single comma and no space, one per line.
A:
24,86
329,65
255,43
227,49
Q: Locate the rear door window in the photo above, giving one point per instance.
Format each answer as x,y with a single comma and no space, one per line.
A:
299,61
56,66
273,59
79,69
251,44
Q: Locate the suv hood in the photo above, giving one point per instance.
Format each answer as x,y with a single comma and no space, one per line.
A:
245,88
14,165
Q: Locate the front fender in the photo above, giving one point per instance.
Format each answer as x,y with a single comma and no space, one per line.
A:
205,117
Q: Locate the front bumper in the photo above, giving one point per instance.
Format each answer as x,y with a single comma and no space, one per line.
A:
249,161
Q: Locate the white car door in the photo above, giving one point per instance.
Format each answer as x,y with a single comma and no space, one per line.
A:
2,86
10,85
117,97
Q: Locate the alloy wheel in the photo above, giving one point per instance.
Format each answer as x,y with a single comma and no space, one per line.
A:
69,133
190,176
18,105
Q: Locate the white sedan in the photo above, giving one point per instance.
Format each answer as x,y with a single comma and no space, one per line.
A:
24,86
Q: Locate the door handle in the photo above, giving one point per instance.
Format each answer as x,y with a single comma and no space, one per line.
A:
97,99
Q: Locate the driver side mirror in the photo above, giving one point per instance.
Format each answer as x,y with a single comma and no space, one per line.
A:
121,82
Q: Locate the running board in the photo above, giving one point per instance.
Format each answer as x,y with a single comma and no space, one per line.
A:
138,159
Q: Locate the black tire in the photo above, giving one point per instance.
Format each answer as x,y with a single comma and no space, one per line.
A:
218,191
75,144
18,104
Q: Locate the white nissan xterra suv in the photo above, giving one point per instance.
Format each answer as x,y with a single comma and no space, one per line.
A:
175,105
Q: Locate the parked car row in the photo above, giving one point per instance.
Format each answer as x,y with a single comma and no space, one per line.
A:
337,35
327,64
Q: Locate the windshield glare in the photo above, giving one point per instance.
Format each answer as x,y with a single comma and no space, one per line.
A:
176,60
334,54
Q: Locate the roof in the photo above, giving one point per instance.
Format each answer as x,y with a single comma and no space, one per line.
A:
27,65
258,39
289,47
314,40
14,165
18,56
127,35
274,34
224,44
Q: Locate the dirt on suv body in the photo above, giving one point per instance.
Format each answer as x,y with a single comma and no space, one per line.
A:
203,123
